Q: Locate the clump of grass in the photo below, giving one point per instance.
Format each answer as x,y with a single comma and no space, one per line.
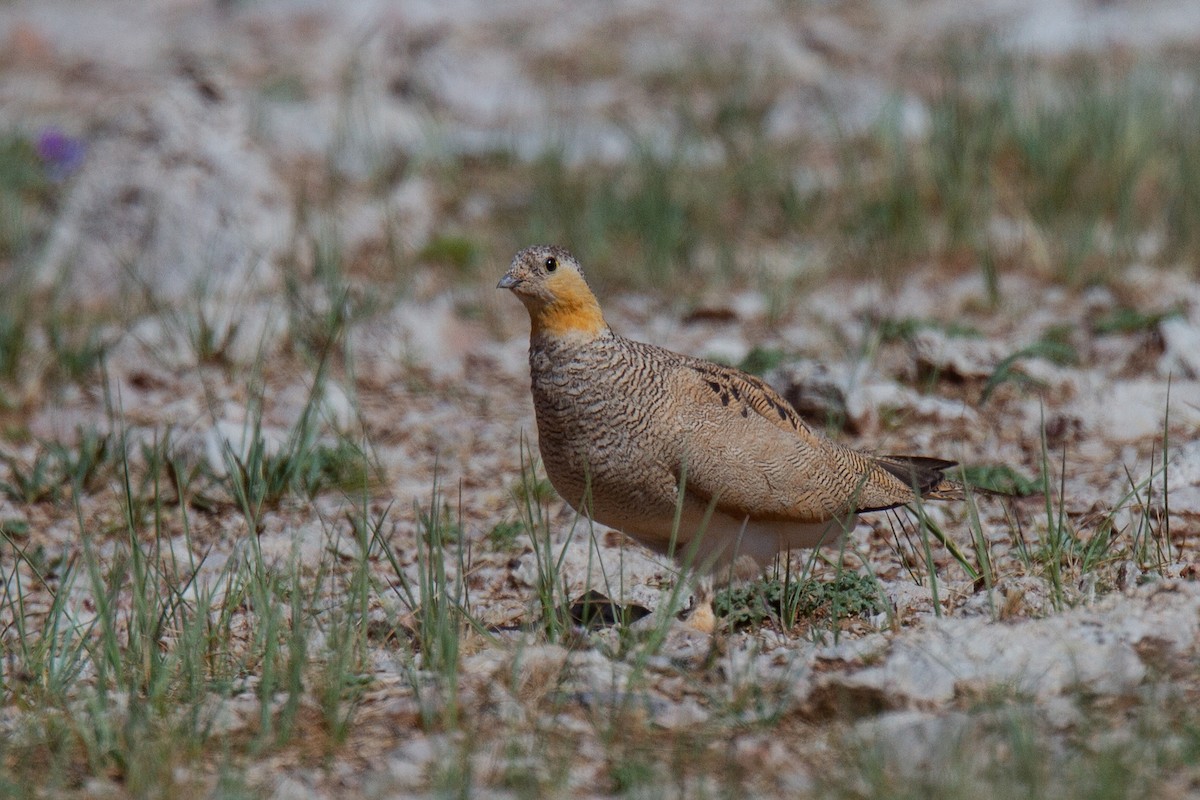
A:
1073,551
320,311
262,477
551,587
77,350
342,466
211,343
131,690
438,603
39,480
57,466
14,334
57,348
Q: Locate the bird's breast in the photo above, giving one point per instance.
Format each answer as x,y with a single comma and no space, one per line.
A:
601,429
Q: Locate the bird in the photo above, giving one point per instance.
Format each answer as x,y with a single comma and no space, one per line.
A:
690,458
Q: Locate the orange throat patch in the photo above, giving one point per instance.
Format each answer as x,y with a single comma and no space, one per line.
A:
573,313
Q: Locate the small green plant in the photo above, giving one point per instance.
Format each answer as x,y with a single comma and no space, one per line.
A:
906,328
28,195
504,534
1123,320
284,87
211,343
761,360
1053,346
439,524
786,601
1000,478
14,335
342,466
83,465
459,252
260,479
634,775
36,482
78,349
263,477
532,486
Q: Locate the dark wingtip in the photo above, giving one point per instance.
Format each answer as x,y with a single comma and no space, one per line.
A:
924,474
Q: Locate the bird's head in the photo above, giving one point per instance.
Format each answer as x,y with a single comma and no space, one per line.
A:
550,282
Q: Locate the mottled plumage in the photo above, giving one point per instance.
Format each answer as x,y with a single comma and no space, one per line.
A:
623,426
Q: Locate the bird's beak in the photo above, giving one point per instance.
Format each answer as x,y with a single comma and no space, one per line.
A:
508,281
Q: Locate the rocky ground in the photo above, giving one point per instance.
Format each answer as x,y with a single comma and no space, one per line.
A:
251,339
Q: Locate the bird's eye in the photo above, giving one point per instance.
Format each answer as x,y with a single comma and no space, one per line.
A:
551,264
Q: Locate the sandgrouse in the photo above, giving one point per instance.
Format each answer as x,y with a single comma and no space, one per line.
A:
676,451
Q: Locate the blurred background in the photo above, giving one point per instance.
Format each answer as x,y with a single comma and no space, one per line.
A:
151,148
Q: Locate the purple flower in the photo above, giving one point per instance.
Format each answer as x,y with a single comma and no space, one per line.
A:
61,154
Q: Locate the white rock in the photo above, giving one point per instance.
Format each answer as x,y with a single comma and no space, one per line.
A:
429,335
1183,479
228,438
682,714
865,404
909,598
173,202
1131,410
337,409
957,355
408,767
412,206
308,544
914,742
815,389
727,347
748,305
1094,648
1181,348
